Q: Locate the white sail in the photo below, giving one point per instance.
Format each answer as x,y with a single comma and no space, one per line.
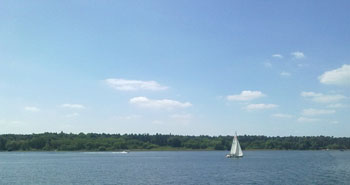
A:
233,146
239,152
236,150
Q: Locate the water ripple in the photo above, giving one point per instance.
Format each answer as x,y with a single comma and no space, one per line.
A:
257,167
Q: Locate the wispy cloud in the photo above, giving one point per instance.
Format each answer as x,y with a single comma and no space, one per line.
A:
16,122
181,118
302,65
277,56
340,76
322,98
305,119
128,117
334,122
31,109
157,122
73,106
337,105
75,114
134,85
245,96
285,74
158,104
281,115
298,55
315,112
267,64
260,106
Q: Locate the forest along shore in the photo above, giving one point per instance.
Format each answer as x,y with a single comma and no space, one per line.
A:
114,142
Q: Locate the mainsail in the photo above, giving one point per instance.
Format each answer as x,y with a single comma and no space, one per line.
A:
236,150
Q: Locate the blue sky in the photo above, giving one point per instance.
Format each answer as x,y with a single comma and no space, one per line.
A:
181,67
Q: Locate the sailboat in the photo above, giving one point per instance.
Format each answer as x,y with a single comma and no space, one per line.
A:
236,150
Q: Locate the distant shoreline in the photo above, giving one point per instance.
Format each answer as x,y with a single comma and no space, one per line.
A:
158,142
176,150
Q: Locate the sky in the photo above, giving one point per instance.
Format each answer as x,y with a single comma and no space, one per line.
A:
274,68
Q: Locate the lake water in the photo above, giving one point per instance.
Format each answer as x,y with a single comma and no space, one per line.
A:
192,167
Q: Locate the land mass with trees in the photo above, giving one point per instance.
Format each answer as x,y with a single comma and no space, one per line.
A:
114,142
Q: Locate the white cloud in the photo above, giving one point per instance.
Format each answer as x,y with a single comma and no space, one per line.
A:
298,55
337,105
304,119
245,96
134,85
277,56
16,122
340,76
31,109
158,104
73,106
260,106
75,114
314,112
282,115
286,74
322,98
334,122
157,122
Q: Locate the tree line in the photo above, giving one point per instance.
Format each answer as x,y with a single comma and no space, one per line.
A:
114,142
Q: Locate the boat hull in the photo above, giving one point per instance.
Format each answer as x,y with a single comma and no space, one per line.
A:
233,156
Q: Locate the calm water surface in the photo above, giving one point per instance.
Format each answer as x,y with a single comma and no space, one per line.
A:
257,167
